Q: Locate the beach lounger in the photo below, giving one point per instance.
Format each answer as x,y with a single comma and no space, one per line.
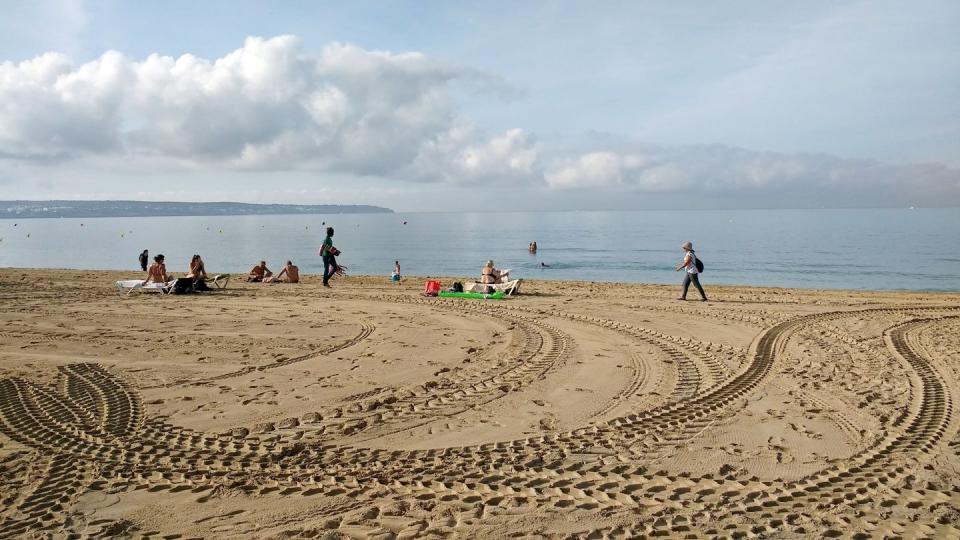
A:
219,280
507,288
126,287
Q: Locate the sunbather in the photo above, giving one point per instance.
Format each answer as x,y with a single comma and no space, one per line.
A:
489,274
196,268
289,274
492,280
259,273
198,274
157,273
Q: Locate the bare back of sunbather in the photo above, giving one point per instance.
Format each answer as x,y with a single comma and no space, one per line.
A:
157,273
289,274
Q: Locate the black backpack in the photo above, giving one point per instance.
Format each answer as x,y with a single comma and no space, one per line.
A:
698,263
457,286
200,285
183,286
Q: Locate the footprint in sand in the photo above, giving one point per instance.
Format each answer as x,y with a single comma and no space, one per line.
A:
800,428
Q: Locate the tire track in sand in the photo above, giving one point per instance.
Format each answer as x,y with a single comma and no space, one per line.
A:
365,331
777,507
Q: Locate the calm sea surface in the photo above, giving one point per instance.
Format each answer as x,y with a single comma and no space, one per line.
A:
848,249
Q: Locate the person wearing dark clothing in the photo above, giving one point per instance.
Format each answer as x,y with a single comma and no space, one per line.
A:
689,264
144,259
329,254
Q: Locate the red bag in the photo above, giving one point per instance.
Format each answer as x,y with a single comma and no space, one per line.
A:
432,288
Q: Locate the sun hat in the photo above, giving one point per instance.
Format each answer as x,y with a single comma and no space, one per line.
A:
687,246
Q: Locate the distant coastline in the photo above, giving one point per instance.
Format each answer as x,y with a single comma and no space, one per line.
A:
74,209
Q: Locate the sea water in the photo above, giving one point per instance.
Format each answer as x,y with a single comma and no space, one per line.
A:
843,249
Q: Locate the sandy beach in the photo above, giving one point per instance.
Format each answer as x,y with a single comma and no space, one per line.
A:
574,410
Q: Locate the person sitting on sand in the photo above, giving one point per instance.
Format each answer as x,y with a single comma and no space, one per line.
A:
157,273
259,273
489,274
289,274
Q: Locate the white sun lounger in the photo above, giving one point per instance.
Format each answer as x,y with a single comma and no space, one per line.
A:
126,287
220,280
507,288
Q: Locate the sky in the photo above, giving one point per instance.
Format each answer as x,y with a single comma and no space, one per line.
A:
458,106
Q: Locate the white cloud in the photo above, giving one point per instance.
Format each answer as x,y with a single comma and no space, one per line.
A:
345,112
268,105
722,170
462,155
595,169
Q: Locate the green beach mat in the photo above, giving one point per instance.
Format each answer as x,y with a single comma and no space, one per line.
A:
499,295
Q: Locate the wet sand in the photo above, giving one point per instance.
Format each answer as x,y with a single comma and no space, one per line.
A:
578,410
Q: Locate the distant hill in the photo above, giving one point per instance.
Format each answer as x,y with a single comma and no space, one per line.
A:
49,209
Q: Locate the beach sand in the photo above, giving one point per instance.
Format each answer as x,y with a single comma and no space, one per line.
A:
575,409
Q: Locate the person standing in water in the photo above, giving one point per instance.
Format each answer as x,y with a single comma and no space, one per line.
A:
328,252
144,259
689,264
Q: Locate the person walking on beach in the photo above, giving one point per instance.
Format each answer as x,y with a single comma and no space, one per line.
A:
144,259
689,264
329,254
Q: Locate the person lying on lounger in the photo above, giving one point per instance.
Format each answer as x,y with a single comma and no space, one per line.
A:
289,274
259,273
157,273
